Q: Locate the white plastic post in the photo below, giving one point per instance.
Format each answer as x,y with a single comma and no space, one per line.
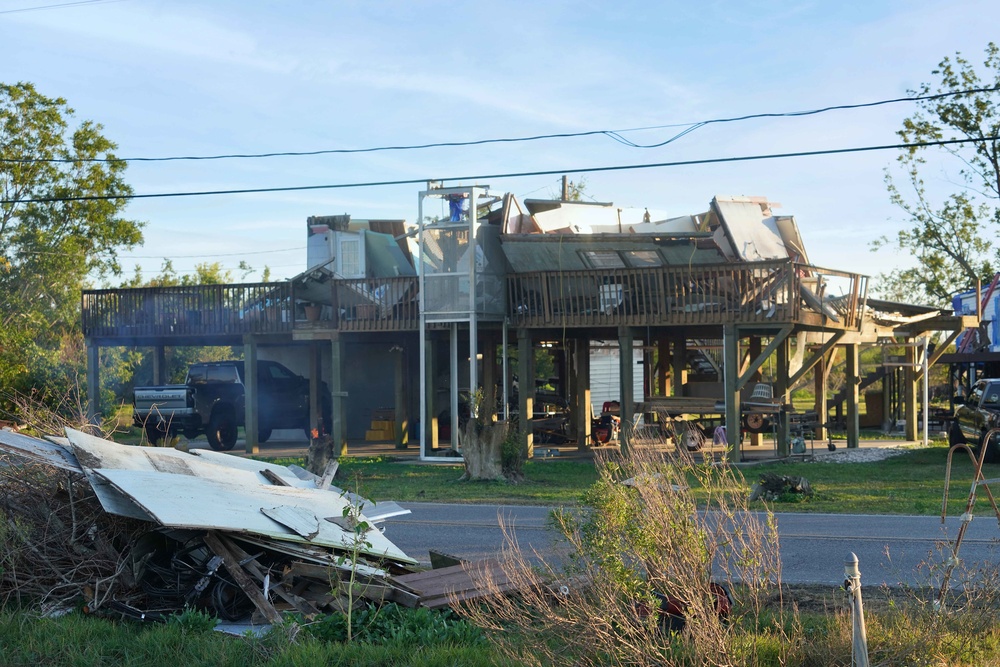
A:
859,637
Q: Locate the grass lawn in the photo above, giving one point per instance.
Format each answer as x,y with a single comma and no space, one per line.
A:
911,483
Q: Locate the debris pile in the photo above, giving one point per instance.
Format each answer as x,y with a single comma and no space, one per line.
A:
784,488
146,532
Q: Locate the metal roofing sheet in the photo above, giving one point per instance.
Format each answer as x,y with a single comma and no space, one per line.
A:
563,252
181,501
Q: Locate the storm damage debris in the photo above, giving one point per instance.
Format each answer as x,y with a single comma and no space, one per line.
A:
144,532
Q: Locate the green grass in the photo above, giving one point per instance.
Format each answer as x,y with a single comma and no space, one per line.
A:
545,483
82,641
912,483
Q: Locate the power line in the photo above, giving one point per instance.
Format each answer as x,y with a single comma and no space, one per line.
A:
484,177
58,6
615,135
214,254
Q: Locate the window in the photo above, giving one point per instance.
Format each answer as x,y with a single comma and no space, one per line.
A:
350,258
641,259
603,259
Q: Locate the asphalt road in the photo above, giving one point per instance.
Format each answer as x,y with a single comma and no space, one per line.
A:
891,550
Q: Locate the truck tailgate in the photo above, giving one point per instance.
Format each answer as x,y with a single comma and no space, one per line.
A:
168,399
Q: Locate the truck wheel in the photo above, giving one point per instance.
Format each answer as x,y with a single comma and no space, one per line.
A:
263,435
222,431
153,434
955,436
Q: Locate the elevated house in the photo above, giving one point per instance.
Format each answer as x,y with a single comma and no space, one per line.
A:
405,323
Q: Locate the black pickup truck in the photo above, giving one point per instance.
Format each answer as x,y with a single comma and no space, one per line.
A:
211,401
976,416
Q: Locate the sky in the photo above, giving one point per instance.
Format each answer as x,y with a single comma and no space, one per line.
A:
178,78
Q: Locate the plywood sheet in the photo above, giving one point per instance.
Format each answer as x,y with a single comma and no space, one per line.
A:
39,451
114,501
299,519
753,237
182,501
94,452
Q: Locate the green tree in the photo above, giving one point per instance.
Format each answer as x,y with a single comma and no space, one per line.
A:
54,237
950,234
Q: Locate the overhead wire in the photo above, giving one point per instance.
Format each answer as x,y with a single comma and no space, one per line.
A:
58,6
505,175
615,135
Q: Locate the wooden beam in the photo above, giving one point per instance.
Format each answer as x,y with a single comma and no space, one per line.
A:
759,361
939,352
232,562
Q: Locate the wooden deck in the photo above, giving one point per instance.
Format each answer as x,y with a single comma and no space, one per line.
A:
759,293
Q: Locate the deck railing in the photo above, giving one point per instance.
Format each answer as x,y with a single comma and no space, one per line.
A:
756,292
376,304
193,310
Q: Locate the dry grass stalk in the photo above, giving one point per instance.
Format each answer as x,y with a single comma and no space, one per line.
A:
51,415
58,547
597,603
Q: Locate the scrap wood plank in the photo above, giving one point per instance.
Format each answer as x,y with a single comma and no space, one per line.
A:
214,542
437,588
303,606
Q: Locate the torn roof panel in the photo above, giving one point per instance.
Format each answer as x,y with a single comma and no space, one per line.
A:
734,229
181,501
577,217
528,253
752,235
37,450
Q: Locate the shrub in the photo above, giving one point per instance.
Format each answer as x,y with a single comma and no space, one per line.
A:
640,546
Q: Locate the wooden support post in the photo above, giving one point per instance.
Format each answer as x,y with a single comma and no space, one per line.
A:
887,417
159,365
910,388
678,362
250,394
401,413
315,410
821,381
490,392
581,392
526,390
783,435
852,380
626,366
648,378
731,395
338,389
753,351
662,361
429,425
93,382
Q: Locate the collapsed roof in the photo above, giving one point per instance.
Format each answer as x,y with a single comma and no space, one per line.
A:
540,235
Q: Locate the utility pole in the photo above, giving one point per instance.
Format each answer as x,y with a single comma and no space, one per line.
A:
565,188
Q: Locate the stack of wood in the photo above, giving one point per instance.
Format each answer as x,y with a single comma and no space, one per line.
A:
383,425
